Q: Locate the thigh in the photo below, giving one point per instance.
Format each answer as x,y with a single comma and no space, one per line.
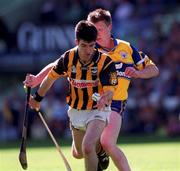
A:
77,118
77,136
99,115
94,131
111,131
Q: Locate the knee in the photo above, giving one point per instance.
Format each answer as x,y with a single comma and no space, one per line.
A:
88,148
107,144
77,155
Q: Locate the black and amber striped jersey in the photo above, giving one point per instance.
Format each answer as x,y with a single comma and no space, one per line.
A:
98,76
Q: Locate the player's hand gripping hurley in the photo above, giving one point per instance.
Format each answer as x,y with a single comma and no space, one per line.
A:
22,154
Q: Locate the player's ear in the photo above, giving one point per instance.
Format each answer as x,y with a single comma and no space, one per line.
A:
110,27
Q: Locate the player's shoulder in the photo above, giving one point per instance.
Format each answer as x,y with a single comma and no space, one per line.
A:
107,60
105,56
101,58
122,42
123,45
72,50
69,53
67,57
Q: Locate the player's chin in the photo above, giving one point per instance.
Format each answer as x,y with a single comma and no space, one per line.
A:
88,56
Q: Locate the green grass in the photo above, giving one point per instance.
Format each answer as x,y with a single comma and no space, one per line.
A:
162,156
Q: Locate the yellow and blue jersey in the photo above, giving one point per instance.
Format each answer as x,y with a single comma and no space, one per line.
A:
124,55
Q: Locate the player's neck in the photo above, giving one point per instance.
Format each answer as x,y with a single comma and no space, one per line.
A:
85,62
108,44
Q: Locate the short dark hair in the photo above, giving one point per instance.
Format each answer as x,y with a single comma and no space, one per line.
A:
100,15
86,31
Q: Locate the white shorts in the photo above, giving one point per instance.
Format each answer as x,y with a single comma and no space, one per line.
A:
80,118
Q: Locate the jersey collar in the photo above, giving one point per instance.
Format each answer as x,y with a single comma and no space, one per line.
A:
114,41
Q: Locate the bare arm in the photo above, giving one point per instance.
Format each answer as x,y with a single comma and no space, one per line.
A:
34,80
43,73
148,72
104,100
44,87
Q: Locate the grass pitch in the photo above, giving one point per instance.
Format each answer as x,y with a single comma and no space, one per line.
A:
164,156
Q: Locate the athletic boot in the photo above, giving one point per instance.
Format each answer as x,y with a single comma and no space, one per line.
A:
99,168
103,160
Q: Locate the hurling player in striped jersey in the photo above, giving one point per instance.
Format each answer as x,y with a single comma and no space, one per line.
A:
89,72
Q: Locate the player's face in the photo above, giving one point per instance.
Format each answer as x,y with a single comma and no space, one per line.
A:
85,50
104,32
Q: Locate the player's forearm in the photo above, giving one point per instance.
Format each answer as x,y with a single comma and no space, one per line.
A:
109,91
45,86
43,73
149,72
104,100
108,94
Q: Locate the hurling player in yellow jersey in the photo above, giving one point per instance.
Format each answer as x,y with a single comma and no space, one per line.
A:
88,71
129,64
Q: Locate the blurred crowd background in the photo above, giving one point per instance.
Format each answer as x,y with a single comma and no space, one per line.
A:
35,32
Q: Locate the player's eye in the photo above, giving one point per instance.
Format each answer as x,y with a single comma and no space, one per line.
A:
83,45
